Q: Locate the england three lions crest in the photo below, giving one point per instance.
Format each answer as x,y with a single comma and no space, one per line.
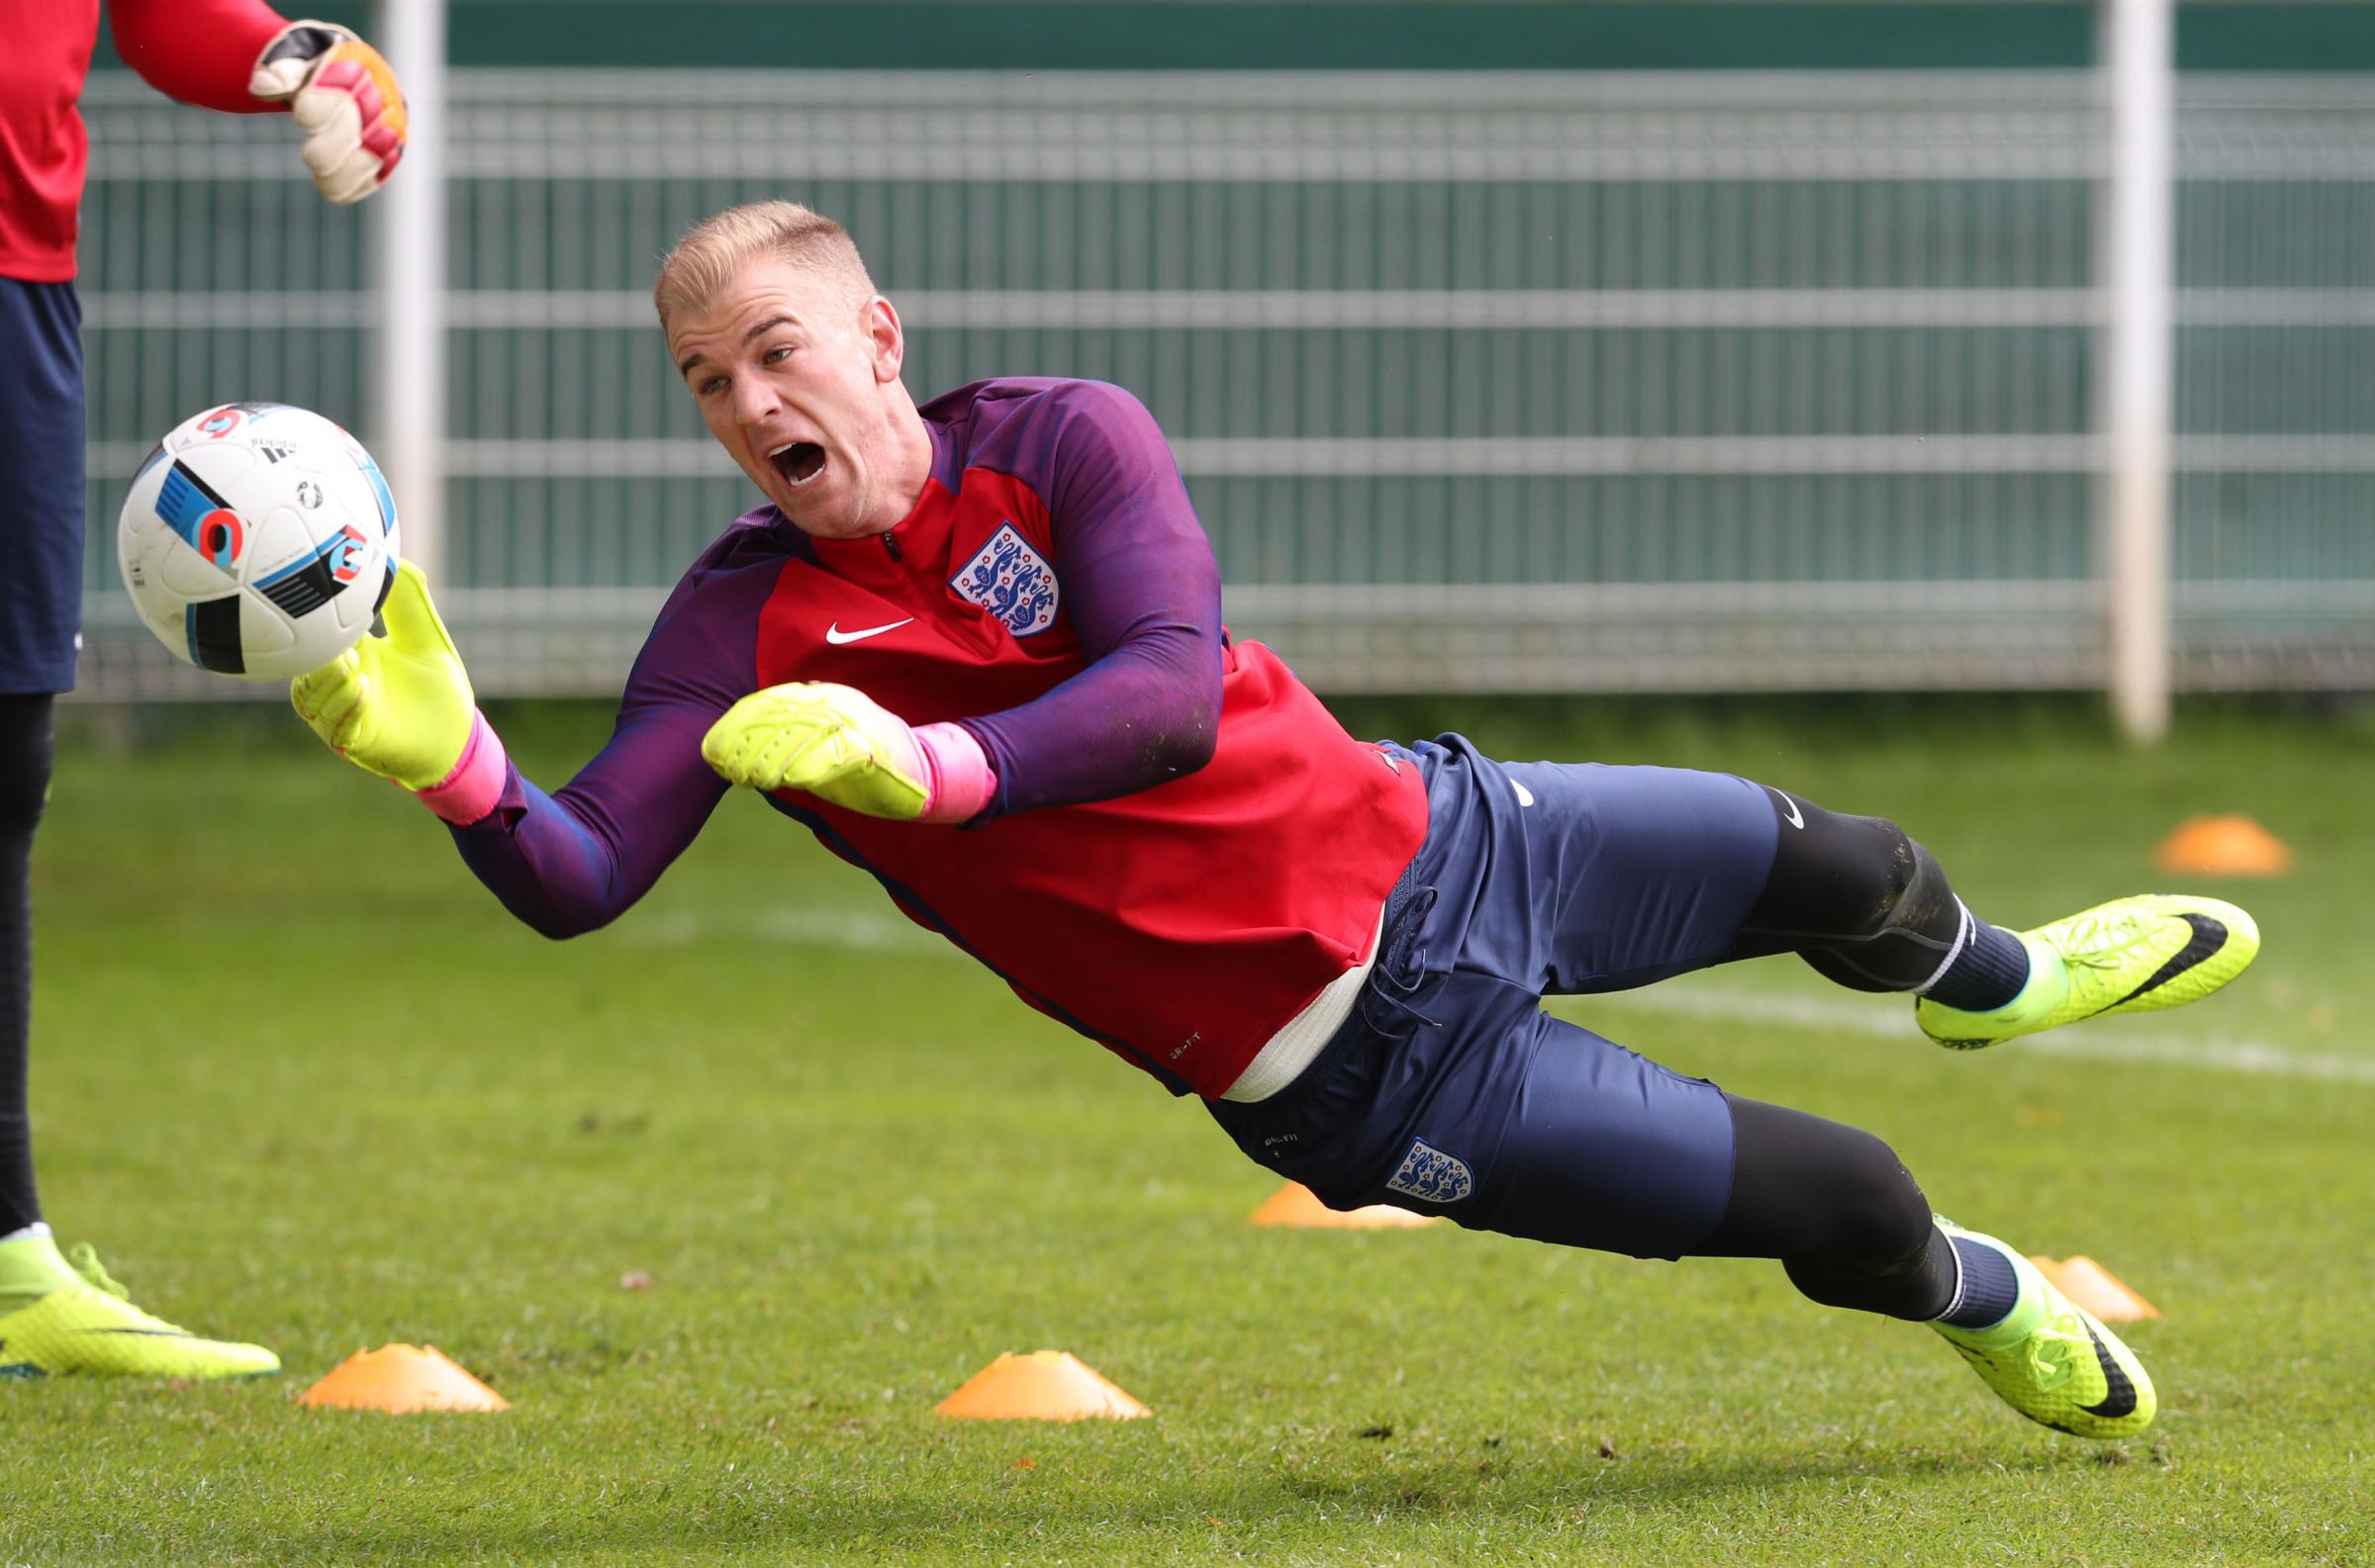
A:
1431,1175
1011,580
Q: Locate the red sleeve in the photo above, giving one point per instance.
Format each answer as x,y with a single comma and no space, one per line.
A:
199,52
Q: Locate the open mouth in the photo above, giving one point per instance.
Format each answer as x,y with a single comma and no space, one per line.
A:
798,461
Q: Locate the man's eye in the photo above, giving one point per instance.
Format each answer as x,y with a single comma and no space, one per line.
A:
781,353
712,384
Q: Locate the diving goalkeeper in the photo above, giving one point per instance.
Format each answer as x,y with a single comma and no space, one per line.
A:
977,649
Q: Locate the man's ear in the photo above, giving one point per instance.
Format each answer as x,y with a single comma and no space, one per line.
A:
884,337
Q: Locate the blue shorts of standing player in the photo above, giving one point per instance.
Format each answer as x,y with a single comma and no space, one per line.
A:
40,487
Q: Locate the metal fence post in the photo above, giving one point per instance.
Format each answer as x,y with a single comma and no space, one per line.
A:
409,249
2138,272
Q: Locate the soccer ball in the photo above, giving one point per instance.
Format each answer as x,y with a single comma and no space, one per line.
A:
257,542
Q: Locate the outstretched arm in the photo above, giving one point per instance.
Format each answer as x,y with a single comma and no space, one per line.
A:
402,706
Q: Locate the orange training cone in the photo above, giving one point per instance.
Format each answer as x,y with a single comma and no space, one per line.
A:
2096,1288
1046,1385
401,1379
2224,846
1297,1204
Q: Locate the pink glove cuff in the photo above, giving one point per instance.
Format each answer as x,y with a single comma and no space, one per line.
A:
470,791
957,777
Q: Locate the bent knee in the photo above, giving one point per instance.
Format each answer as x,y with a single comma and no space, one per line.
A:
1879,862
1874,1212
1839,877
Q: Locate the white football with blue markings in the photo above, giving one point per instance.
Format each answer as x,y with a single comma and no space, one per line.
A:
257,542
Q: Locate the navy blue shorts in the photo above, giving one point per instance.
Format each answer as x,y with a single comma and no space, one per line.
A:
1450,1091
40,486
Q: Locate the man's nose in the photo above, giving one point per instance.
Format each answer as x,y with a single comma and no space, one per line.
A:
754,401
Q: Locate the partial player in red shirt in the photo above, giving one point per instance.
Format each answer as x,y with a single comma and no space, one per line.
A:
976,648
240,57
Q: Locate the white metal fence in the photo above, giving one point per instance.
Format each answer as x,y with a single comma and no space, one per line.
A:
1535,381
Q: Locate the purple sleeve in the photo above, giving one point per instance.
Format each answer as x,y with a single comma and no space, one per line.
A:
572,861
1138,577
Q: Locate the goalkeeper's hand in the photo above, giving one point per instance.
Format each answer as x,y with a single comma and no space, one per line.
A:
343,97
837,744
398,705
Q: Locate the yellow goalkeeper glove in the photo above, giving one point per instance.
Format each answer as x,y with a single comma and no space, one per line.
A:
837,744
399,705
833,741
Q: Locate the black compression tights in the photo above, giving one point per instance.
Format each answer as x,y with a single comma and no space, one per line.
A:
1855,897
1869,908
24,783
1838,1208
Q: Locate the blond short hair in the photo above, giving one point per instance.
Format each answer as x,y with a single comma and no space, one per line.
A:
715,250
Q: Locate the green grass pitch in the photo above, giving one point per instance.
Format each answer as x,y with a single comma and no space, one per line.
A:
301,1079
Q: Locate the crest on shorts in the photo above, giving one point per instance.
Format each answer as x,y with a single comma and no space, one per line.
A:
1431,1175
1011,580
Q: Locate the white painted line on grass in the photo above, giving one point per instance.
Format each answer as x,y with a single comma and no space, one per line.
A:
1883,1018
1887,1019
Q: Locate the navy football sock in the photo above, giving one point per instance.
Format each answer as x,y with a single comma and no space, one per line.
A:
1990,1288
1986,974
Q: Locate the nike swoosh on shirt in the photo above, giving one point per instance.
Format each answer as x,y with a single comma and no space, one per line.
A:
1794,819
835,635
2119,1398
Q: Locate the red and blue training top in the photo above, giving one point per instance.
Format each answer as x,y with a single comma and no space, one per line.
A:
1185,846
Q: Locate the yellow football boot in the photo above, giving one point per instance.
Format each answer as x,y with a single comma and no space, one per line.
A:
63,1320
2129,956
